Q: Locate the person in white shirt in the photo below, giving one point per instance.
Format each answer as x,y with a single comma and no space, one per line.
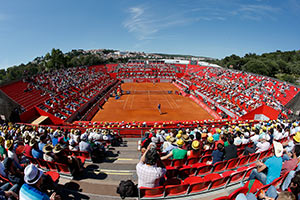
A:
261,146
245,139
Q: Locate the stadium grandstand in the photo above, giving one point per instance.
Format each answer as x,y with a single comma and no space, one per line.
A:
176,130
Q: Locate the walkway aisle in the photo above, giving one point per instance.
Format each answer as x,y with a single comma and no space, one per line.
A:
102,179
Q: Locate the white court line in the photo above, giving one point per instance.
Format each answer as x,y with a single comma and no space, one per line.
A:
166,96
132,99
124,106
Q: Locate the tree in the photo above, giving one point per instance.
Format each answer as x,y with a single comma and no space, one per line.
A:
257,67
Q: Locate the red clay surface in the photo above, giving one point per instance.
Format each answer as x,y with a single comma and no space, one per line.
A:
143,107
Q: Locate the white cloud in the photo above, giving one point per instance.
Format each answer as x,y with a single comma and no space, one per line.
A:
139,23
145,23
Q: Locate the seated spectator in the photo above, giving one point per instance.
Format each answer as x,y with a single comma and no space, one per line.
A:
172,146
11,153
73,163
289,146
3,152
73,146
27,147
178,153
261,146
222,140
36,153
271,194
31,189
273,164
8,194
55,138
209,144
238,139
187,141
216,135
48,155
166,143
291,164
2,170
83,144
195,152
245,138
217,155
43,141
14,174
230,151
149,174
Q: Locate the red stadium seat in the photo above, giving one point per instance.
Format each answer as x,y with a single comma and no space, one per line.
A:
52,166
151,192
199,186
232,163
167,162
63,169
222,198
171,172
219,166
185,171
211,177
263,155
42,164
54,176
172,181
178,163
253,157
191,161
206,158
237,176
220,182
193,179
176,190
233,195
243,160
204,169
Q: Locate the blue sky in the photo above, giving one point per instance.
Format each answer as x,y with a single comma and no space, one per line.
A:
214,28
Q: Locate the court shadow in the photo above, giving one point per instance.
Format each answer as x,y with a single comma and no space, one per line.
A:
163,113
71,190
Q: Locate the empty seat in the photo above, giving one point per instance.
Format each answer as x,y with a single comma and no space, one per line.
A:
219,166
204,169
232,163
151,192
176,190
233,195
199,186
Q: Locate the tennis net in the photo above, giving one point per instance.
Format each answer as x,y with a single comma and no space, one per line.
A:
149,92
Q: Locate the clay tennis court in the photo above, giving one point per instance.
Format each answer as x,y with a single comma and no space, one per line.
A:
141,105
